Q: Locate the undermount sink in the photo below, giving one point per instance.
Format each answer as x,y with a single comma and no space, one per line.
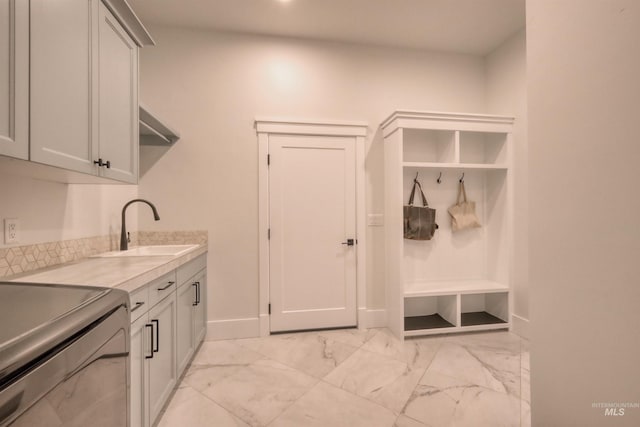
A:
161,250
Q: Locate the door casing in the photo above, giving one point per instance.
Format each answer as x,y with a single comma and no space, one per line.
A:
266,127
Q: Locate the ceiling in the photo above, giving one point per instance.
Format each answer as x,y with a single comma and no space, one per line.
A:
463,26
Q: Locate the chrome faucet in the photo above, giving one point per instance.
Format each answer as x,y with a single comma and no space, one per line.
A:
124,236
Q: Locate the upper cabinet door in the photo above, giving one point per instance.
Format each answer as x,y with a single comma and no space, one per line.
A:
14,78
118,99
62,59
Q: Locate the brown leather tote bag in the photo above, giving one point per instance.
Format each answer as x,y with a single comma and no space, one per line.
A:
419,221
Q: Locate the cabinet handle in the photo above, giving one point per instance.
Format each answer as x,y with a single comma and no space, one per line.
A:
157,322
148,325
194,303
137,306
198,293
101,163
169,284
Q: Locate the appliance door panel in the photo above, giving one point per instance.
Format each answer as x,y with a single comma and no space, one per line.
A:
83,384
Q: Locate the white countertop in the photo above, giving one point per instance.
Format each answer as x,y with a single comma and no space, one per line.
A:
127,273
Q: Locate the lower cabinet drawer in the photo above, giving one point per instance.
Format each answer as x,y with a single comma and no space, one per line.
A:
161,287
139,302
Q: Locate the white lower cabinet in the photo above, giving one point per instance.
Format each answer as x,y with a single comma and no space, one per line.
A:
140,350
162,366
167,324
200,309
191,313
185,345
153,361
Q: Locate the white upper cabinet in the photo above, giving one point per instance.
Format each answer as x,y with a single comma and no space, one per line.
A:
84,90
118,99
14,78
62,59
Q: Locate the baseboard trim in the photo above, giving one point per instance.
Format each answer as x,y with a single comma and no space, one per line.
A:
253,327
233,329
520,326
374,318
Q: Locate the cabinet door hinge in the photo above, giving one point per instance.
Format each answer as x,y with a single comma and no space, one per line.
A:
269,308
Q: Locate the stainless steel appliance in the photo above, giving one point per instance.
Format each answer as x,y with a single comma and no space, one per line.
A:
63,356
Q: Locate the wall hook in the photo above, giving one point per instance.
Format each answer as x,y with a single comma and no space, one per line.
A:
462,178
439,180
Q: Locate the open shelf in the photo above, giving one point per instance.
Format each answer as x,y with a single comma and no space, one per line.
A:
431,321
484,309
427,145
483,148
457,166
445,287
475,318
154,131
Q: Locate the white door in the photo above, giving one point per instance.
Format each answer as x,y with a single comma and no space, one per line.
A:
312,198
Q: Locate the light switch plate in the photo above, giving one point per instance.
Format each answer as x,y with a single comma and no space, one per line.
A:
375,220
11,230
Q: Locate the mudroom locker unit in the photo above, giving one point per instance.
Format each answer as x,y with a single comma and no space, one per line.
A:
459,280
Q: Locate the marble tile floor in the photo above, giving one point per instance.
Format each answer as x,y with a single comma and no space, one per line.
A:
356,378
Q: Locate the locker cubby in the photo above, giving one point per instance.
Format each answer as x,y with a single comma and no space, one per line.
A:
483,148
430,312
484,309
429,146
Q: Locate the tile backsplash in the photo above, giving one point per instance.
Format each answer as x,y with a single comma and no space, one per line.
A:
19,259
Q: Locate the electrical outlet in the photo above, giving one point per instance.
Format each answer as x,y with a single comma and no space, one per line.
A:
11,230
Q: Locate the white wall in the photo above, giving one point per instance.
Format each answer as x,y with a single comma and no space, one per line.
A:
584,145
506,85
50,211
211,86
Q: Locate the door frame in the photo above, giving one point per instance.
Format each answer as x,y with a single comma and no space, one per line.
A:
266,127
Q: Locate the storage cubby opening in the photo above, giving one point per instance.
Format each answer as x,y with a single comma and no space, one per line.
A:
426,145
484,309
430,312
483,148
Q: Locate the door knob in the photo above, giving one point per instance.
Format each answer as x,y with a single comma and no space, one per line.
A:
349,242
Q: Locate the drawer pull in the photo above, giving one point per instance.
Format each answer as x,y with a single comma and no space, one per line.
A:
155,350
195,302
148,325
169,284
137,306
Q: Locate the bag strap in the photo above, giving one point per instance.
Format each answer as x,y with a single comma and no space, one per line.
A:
413,192
461,192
